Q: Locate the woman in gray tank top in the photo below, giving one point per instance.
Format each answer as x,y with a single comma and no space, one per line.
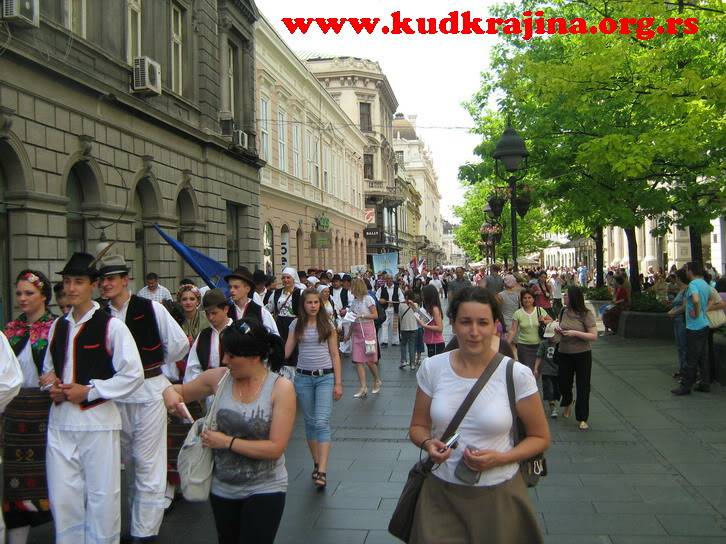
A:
255,416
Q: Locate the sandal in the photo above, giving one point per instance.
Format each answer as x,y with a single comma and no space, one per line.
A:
315,471
321,481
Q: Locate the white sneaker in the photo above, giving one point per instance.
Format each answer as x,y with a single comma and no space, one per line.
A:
554,413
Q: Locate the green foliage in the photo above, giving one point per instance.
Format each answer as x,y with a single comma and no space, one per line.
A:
647,302
597,293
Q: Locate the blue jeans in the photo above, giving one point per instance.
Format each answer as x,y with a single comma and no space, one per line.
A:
315,395
408,346
679,328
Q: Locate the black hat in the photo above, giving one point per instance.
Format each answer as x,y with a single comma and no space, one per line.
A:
80,264
110,265
241,273
213,298
346,277
259,276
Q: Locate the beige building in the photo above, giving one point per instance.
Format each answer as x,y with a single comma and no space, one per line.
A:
362,90
311,201
453,254
409,215
411,150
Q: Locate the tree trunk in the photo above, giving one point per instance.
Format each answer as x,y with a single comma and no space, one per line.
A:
634,271
599,257
696,246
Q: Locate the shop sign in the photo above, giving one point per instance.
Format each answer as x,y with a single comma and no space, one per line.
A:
370,216
372,232
320,240
322,223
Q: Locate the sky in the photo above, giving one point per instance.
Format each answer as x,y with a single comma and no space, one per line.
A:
431,75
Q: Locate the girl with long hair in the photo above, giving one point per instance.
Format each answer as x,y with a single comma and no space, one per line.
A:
318,377
433,331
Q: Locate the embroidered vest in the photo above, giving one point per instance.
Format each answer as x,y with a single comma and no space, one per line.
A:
141,321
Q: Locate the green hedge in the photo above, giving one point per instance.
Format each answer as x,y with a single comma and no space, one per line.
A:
597,293
647,302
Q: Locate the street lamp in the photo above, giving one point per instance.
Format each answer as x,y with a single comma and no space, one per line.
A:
511,153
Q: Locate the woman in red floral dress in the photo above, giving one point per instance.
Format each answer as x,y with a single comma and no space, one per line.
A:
25,499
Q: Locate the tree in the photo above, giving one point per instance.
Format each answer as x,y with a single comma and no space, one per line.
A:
619,129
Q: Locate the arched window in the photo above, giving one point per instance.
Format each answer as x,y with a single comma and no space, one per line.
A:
299,248
185,217
267,250
75,223
145,207
284,247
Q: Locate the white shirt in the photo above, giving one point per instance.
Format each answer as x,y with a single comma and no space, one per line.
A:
175,345
556,285
437,283
194,367
284,304
11,377
487,424
259,298
129,377
389,290
27,365
159,294
335,296
267,320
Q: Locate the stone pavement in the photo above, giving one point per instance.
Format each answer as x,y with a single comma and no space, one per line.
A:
651,470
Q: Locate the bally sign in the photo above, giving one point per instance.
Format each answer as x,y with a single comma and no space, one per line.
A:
373,232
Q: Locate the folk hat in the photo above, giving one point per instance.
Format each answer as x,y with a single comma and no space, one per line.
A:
80,264
259,276
213,298
241,273
111,265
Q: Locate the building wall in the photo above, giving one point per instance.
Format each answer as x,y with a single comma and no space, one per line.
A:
78,149
293,196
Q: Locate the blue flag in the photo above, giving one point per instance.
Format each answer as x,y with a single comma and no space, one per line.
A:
211,271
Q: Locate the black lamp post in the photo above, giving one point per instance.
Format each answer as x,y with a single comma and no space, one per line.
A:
511,153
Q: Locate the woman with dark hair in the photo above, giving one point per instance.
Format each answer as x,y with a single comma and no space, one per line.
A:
491,504
433,330
525,328
577,329
621,301
26,417
255,416
678,313
318,378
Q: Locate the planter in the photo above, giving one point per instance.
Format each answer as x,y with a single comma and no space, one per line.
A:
646,325
522,203
597,304
719,352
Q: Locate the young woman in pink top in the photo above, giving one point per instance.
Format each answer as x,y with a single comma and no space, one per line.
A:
433,335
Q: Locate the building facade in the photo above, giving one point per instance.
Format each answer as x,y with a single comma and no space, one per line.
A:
362,90
453,254
312,198
409,215
411,150
92,149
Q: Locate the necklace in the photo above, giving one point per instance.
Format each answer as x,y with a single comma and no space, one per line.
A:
257,392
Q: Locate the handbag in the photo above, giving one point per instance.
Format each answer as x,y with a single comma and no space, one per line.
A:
402,519
195,461
541,325
534,468
716,318
369,346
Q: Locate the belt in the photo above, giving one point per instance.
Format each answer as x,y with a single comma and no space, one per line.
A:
152,372
319,372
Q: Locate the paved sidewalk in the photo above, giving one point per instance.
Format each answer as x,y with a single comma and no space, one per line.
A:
651,469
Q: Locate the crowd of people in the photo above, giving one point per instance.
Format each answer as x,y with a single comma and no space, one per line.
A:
113,381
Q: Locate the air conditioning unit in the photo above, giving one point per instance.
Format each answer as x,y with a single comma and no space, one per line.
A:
21,12
239,139
147,76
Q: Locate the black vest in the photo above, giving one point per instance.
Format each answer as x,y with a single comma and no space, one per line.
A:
266,299
343,298
295,300
252,310
386,290
91,358
204,348
141,321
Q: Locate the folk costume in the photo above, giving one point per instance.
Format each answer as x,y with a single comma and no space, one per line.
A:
83,453
284,307
11,378
389,329
161,343
250,308
24,432
341,298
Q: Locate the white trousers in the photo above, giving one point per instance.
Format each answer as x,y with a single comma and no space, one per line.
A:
345,345
84,486
387,335
143,453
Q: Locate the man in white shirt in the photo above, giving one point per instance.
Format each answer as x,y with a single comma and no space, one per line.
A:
390,296
339,295
206,352
241,285
556,285
154,291
91,361
161,342
436,282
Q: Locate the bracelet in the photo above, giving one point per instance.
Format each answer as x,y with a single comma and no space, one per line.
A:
231,442
423,444
182,392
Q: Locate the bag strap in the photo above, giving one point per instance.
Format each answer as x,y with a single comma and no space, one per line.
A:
510,393
471,396
210,422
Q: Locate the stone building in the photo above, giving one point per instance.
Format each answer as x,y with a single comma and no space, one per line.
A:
312,198
409,215
453,254
362,90
411,150
96,141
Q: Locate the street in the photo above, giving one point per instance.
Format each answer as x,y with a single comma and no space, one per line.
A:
649,471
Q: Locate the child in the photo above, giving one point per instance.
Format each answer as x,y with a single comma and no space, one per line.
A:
546,366
408,328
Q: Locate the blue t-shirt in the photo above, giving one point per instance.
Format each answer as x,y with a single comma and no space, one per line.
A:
699,286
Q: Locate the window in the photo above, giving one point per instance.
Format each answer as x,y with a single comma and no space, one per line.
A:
133,29
229,78
265,128
368,166
326,167
233,212
399,157
267,250
365,116
75,16
316,162
296,149
177,20
309,154
281,143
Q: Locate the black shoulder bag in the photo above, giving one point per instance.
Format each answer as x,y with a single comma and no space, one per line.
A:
402,519
535,468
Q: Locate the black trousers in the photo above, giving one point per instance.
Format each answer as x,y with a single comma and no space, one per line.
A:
697,357
254,519
435,349
577,366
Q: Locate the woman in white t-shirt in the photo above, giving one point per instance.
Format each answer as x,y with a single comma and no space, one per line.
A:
496,509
